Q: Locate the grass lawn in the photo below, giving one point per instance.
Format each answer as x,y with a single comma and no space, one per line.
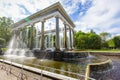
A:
103,50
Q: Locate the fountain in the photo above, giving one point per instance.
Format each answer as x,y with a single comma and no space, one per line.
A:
17,48
71,61
53,50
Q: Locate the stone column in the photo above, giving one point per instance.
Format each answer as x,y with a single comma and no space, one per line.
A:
73,40
31,37
70,38
57,45
52,41
65,36
20,38
42,35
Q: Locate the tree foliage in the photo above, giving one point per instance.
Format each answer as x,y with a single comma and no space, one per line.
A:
87,40
2,41
111,43
117,41
104,36
5,28
94,41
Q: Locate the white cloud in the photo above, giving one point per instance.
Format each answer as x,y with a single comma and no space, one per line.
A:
12,9
83,1
101,16
71,6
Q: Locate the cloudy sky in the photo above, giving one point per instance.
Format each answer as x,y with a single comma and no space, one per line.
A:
99,15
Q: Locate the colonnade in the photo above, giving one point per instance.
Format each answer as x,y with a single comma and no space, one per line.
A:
57,35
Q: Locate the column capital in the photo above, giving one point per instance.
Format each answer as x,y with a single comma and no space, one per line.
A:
43,20
65,23
57,16
69,27
32,24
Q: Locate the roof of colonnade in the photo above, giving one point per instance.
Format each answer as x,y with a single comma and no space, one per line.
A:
47,13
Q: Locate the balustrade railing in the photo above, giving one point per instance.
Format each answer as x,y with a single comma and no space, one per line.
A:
22,74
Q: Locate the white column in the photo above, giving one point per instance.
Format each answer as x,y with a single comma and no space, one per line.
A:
26,36
49,40
57,33
42,35
36,37
65,36
31,37
70,38
52,41
20,39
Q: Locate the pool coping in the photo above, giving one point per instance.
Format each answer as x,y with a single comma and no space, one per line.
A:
38,71
87,73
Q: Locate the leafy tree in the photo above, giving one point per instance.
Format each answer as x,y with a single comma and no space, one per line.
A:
5,28
111,43
105,45
94,41
117,41
91,31
2,41
87,40
104,36
80,40
82,43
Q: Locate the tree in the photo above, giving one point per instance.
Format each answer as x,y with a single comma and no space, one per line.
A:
2,41
5,28
94,41
80,40
117,41
111,43
87,40
104,36
91,31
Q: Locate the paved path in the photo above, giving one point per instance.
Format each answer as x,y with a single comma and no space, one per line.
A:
113,74
4,76
15,73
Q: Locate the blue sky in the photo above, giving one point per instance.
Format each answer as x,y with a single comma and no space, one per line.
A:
99,15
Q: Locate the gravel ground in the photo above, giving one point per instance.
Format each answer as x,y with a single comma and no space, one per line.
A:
113,74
